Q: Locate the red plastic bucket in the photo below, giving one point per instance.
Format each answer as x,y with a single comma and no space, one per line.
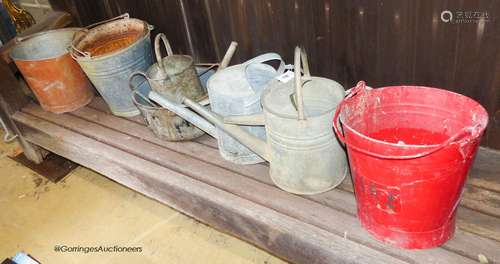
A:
410,149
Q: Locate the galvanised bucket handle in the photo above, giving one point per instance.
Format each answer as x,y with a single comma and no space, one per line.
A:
87,54
167,46
300,55
122,16
362,88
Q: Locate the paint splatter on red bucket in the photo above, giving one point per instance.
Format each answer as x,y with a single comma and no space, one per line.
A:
410,149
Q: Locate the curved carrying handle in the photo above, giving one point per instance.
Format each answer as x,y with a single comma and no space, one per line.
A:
300,55
122,16
265,58
134,89
167,46
85,54
361,87
261,59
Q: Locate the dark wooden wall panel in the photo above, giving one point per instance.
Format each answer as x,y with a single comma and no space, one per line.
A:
384,42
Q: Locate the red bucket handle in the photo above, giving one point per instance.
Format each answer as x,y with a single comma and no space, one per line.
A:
361,87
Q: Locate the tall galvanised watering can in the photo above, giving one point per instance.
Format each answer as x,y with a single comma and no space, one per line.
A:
304,154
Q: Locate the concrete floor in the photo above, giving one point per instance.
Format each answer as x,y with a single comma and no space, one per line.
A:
87,209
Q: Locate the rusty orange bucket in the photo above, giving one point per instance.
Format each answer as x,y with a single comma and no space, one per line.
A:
55,78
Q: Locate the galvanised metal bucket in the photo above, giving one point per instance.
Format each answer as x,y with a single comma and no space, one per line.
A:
236,90
55,78
166,125
109,52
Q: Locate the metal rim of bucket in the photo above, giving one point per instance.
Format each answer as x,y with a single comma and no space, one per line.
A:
74,51
361,87
20,41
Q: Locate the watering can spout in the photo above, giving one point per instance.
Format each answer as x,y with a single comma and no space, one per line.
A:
174,104
252,142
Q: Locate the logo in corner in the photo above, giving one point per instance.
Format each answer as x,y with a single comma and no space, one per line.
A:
446,16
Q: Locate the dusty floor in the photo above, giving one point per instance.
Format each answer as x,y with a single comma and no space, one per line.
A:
87,209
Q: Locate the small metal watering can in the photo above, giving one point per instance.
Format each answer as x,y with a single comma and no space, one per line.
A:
173,73
165,124
177,73
304,154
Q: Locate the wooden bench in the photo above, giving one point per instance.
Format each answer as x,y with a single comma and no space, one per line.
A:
241,200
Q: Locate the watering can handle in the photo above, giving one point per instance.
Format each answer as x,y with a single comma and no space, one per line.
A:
300,55
133,88
267,57
361,87
261,59
131,77
167,46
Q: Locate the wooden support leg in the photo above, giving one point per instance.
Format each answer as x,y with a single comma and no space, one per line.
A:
13,99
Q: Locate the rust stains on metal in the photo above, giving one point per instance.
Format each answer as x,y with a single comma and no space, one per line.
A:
55,78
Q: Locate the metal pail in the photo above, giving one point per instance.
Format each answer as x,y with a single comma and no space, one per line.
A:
165,124
55,78
109,52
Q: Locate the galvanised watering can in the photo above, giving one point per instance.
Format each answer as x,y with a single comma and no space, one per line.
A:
304,154
236,90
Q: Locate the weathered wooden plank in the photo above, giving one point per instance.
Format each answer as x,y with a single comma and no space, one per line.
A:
100,104
300,208
482,200
478,223
287,237
485,172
